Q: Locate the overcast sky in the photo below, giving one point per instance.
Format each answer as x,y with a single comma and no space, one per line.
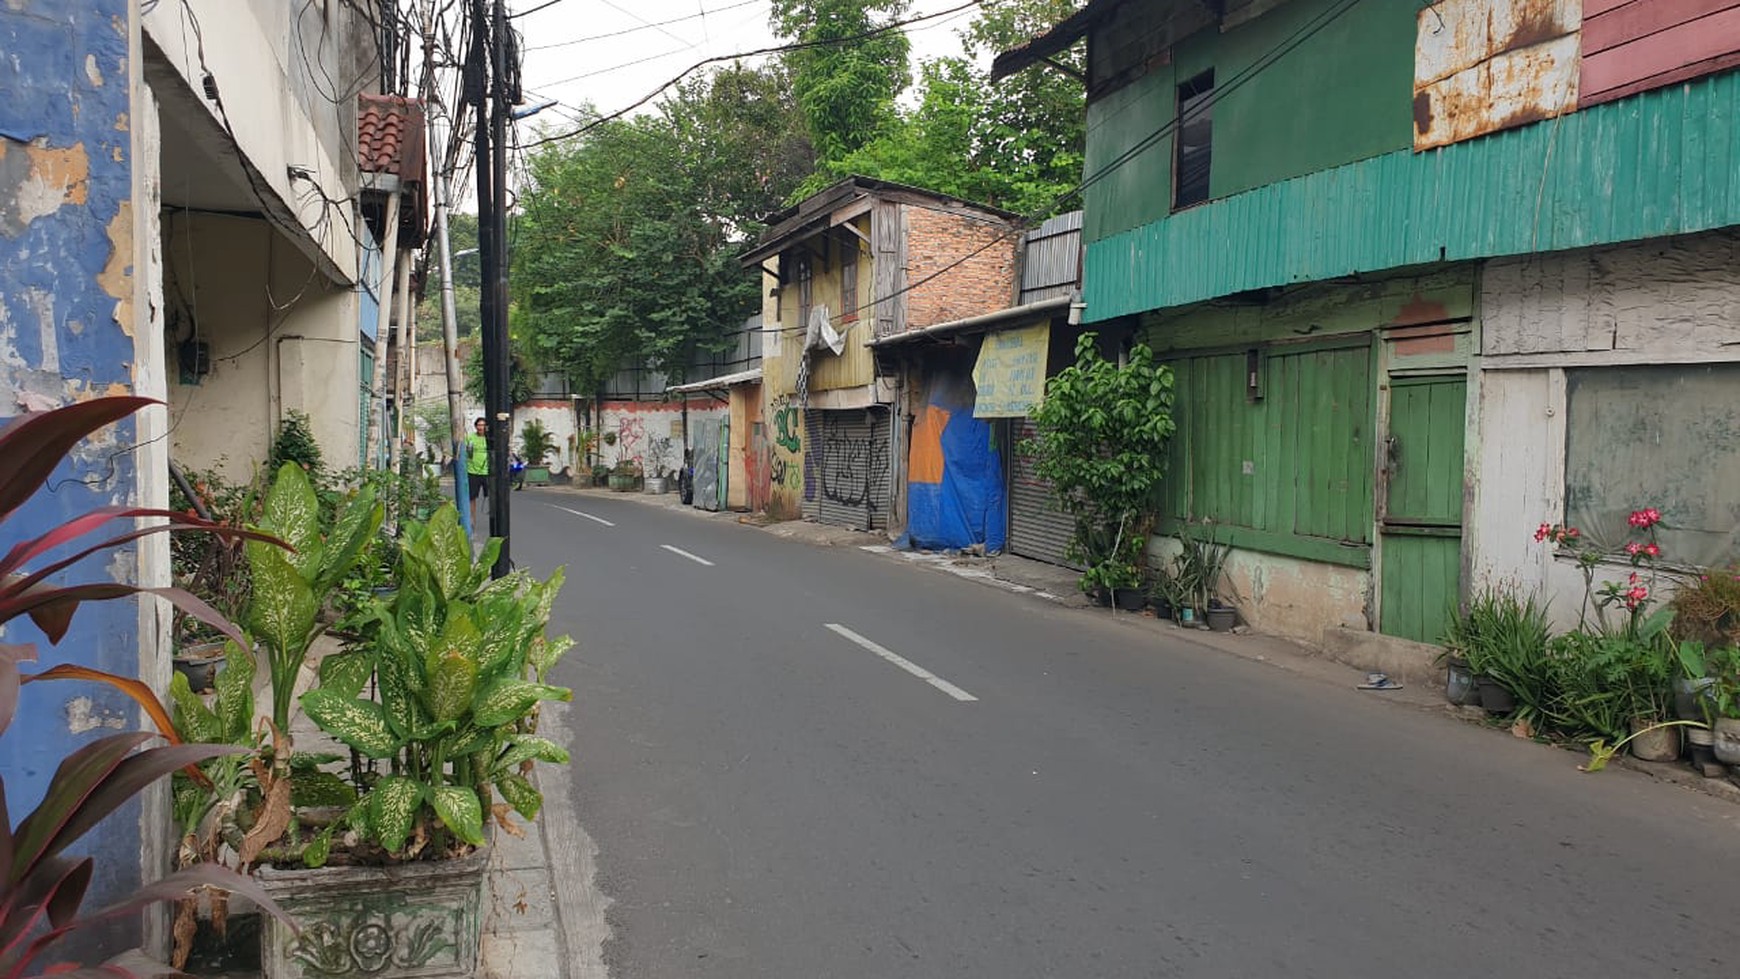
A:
605,52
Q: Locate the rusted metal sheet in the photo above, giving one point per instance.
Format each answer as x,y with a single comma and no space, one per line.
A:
1631,46
1481,66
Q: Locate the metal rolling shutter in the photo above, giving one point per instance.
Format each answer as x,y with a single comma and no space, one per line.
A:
1037,529
848,461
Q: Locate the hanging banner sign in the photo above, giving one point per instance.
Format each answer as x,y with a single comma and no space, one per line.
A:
1010,374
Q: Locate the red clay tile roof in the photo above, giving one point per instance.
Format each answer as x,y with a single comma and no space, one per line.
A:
390,135
390,140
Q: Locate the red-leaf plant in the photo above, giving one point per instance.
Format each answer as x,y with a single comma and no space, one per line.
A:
41,888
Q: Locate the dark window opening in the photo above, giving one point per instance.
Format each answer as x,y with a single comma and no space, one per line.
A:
1195,140
848,280
805,297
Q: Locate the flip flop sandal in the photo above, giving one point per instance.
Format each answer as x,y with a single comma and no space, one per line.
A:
1379,681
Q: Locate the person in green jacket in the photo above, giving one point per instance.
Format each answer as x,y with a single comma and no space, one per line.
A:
477,465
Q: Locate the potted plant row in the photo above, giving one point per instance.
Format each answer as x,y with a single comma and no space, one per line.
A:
1634,675
439,705
48,877
380,856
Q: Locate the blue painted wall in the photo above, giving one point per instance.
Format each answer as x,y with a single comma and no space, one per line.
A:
66,248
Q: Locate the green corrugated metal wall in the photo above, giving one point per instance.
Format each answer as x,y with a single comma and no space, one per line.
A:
1314,108
1307,440
1662,163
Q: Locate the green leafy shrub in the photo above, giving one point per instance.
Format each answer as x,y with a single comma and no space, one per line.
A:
536,443
458,664
1103,430
295,443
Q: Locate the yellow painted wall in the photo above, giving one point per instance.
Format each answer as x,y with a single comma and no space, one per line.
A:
782,450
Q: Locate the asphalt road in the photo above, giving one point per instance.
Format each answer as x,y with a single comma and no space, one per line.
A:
773,797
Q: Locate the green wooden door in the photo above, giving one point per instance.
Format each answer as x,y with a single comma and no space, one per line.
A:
1421,521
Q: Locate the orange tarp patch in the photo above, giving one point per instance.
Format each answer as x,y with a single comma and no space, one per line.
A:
926,462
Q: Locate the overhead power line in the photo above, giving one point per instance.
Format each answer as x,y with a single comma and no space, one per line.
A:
777,49
644,27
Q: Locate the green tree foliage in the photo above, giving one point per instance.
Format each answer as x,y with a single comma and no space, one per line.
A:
846,90
467,280
1103,430
745,141
627,242
1017,144
520,388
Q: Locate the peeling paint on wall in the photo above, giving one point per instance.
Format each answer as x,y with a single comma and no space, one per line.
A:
38,180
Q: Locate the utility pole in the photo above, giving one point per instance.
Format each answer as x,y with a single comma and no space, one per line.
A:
450,345
483,83
500,404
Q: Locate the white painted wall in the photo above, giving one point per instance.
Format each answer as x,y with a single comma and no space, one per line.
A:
283,113
558,418
637,421
281,337
1659,302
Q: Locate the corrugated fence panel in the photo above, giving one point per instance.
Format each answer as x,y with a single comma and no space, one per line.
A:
1037,528
848,456
1051,263
1662,163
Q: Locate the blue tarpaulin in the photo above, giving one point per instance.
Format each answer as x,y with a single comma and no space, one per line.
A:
955,489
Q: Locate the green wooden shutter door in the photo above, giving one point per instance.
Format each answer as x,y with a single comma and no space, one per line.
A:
1422,520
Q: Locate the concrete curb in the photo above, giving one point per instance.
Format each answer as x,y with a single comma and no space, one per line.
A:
544,916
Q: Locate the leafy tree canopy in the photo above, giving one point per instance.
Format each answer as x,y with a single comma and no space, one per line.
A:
846,90
1017,144
626,245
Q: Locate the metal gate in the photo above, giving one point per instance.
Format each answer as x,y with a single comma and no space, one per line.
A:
1037,529
846,470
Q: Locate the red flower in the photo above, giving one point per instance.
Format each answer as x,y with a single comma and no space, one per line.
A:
1652,549
1632,547
1633,580
1572,533
1645,518
1541,532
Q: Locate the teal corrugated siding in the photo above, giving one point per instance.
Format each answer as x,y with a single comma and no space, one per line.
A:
1663,163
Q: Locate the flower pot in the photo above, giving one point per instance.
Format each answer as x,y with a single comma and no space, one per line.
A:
200,662
656,485
1187,617
1693,697
421,919
1494,697
1163,609
621,482
1726,740
1222,618
1128,599
1660,744
1701,745
1100,596
1459,685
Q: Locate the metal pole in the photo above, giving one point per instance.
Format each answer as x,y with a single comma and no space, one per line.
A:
500,407
450,342
383,329
480,86
404,376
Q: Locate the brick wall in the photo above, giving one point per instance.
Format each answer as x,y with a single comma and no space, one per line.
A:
983,283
